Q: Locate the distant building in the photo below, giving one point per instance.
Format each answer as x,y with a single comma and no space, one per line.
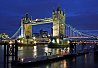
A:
37,35
43,34
4,36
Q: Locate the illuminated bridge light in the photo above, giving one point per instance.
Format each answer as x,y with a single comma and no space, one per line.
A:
10,42
22,59
68,41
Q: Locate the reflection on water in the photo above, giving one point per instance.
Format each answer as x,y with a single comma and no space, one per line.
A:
39,50
86,61
35,51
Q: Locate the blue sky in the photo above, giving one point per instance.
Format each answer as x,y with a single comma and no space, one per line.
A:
81,14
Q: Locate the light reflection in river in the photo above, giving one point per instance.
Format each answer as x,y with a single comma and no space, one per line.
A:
86,61
35,51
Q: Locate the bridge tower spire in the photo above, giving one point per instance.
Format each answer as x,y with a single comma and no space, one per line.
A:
58,24
26,27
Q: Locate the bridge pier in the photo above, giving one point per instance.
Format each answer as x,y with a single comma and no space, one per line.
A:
16,50
71,46
5,66
83,45
10,51
95,47
75,49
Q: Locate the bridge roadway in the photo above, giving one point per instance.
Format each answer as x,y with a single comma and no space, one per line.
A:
30,41
77,40
81,40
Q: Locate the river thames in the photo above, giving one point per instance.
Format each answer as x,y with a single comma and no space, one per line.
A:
85,61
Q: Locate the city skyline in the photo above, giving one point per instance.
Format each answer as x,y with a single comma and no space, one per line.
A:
80,14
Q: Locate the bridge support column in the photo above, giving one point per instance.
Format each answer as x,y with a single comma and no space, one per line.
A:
83,44
75,49
71,46
10,50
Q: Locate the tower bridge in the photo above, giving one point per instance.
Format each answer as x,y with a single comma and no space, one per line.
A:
60,32
60,29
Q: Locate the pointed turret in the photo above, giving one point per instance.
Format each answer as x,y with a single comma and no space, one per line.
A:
27,16
58,9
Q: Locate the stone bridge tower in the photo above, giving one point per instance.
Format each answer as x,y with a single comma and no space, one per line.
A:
26,27
58,25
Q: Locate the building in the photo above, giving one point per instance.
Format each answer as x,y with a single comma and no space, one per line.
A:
43,34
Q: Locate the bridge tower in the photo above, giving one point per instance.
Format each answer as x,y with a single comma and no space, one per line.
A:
26,27
58,25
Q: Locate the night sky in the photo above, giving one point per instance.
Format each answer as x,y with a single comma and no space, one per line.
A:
81,14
